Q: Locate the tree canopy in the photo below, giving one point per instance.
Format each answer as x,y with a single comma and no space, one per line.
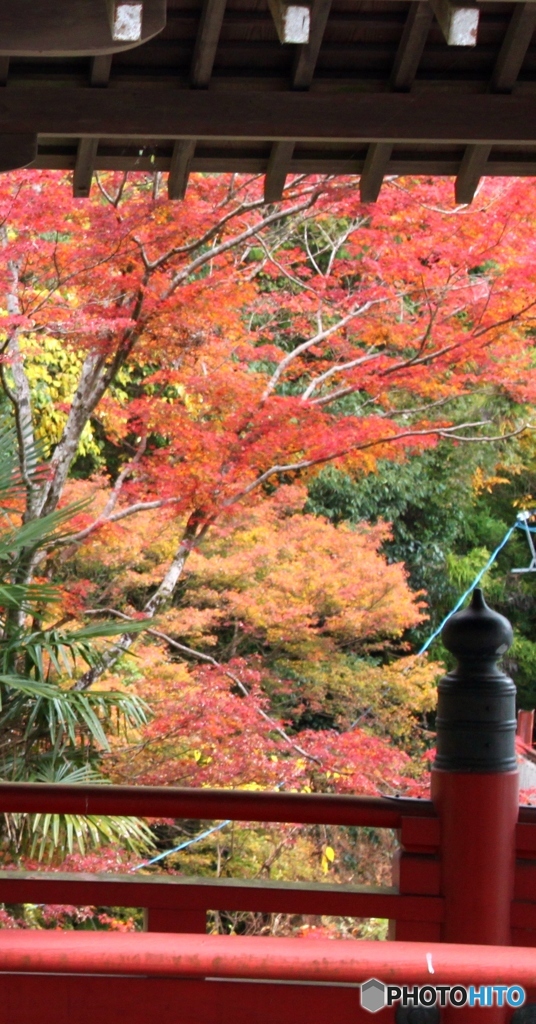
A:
275,437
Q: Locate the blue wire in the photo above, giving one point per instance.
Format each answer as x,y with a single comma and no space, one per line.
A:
189,842
183,846
475,582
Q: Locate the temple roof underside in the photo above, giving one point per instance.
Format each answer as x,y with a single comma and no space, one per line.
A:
379,88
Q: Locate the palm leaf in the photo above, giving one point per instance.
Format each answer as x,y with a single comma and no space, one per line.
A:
56,835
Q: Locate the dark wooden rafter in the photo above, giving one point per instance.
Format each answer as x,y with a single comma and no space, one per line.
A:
307,55
204,55
84,167
206,43
514,48
471,169
17,151
4,70
372,175
179,170
277,170
507,67
86,154
411,46
302,76
101,68
211,159
405,67
166,112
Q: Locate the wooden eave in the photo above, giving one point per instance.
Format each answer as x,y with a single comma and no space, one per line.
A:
377,91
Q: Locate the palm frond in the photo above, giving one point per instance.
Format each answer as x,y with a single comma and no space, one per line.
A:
56,835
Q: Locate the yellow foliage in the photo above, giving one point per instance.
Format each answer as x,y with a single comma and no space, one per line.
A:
483,482
53,369
298,579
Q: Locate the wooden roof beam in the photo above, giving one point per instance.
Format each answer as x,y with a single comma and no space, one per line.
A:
307,54
179,171
405,68
17,151
206,43
507,67
84,167
101,68
376,160
204,55
471,168
459,24
138,112
277,170
302,76
86,153
411,46
514,48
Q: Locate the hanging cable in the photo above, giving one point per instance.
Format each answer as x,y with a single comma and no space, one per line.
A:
474,584
183,846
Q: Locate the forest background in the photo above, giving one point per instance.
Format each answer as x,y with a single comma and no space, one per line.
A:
250,457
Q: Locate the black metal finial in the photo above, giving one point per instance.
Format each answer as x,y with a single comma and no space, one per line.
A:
476,722
477,634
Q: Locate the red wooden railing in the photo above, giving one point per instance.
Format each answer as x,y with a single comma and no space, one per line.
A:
414,905
462,907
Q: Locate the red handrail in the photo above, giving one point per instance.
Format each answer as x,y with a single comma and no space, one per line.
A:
240,805
220,956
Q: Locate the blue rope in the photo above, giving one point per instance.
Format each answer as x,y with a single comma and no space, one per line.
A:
475,583
183,846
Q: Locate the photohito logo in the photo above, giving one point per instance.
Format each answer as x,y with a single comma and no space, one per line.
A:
375,995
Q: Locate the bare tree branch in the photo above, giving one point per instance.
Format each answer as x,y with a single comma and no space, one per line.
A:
319,337
191,652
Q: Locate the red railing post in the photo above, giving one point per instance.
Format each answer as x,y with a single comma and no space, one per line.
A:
475,786
525,727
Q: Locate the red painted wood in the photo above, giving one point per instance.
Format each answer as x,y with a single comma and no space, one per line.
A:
420,835
202,894
166,802
524,914
75,1000
478,818
478,814
527,814
523,937
525,726
525,880
526,836
164,919
332,961
419,875
416,931
416,871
